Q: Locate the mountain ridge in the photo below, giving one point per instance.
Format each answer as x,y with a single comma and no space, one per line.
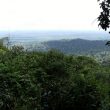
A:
77,46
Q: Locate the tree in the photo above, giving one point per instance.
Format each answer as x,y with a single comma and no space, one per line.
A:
104,17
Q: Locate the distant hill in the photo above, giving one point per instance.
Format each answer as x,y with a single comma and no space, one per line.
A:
78,46
68,46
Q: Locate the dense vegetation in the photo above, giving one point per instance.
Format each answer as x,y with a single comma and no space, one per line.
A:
52,81
79,46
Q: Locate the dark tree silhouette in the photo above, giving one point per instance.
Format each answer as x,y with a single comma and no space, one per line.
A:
104,17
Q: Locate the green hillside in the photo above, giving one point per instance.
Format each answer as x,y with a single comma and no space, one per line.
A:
52,81
79,46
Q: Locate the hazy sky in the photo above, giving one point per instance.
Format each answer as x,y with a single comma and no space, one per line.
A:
48,14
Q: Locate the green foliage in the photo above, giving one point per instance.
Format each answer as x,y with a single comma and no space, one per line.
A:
52,81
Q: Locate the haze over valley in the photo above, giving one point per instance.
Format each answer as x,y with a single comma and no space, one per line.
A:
69,42
41,36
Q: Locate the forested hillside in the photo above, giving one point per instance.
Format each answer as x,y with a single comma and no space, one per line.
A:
52,81
79,46
52,55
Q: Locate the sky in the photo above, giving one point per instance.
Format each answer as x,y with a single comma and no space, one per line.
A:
49,14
